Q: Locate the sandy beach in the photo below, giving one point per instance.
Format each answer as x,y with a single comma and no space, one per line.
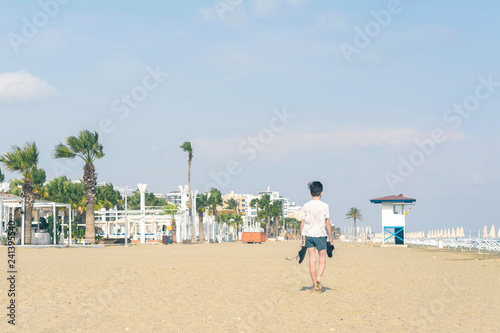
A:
235,287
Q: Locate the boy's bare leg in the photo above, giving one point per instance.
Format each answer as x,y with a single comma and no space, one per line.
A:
312,263
322,263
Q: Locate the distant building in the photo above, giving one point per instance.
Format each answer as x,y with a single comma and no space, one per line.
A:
160,195
285,202
274,195
294,211
251,212
174,198
241,199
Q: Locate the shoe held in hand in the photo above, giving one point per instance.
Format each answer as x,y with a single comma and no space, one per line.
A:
302,254
329,249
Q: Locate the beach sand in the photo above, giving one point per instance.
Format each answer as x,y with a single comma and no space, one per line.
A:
235,287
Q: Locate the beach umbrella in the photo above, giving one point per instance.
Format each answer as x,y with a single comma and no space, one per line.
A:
498,236
492,231
446,233
462,233
449,232
429,234
453,235
485,232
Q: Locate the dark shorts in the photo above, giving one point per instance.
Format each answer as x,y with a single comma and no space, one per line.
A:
318,242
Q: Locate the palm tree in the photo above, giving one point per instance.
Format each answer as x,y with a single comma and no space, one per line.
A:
39,177
186,146
265,207
293,224
25,161
276,211
2,176
232,204
201,206
237,220
254,203
107,197
62,190
215,201
354,214
87,147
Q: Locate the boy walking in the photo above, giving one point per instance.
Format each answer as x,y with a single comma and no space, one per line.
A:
313,229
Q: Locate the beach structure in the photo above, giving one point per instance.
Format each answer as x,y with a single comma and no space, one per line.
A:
394,211
9,203
149,224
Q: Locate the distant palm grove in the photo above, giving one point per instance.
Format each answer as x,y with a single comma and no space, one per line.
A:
85,196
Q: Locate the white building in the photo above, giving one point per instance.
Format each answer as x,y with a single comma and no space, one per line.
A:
393,216
174,198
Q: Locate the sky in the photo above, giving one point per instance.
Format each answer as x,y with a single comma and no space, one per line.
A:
372,98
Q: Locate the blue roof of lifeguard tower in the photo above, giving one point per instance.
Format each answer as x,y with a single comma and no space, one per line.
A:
393,198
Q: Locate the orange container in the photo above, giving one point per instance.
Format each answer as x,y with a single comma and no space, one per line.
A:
253,237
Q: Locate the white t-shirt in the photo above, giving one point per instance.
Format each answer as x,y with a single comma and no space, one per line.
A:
314,213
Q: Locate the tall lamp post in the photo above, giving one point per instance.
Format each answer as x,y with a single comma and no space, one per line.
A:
142,189
125,194
126,216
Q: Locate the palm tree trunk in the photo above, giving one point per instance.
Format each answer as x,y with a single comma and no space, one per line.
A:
89,184
276,233
200,227
216,219
29,200
191,221
268,229
27,224
354,231
90,223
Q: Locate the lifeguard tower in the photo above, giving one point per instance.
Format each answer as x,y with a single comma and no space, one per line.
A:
393,216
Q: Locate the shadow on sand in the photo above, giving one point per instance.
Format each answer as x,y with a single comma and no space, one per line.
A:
311,288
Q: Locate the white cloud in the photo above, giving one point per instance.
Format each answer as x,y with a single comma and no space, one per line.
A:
267,7
290,142
227,10
362,138
22,87
230,13
208,13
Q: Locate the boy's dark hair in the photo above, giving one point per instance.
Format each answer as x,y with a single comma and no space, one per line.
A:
316,188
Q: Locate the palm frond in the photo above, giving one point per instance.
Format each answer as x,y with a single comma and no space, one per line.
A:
63,151
85,145
23,160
